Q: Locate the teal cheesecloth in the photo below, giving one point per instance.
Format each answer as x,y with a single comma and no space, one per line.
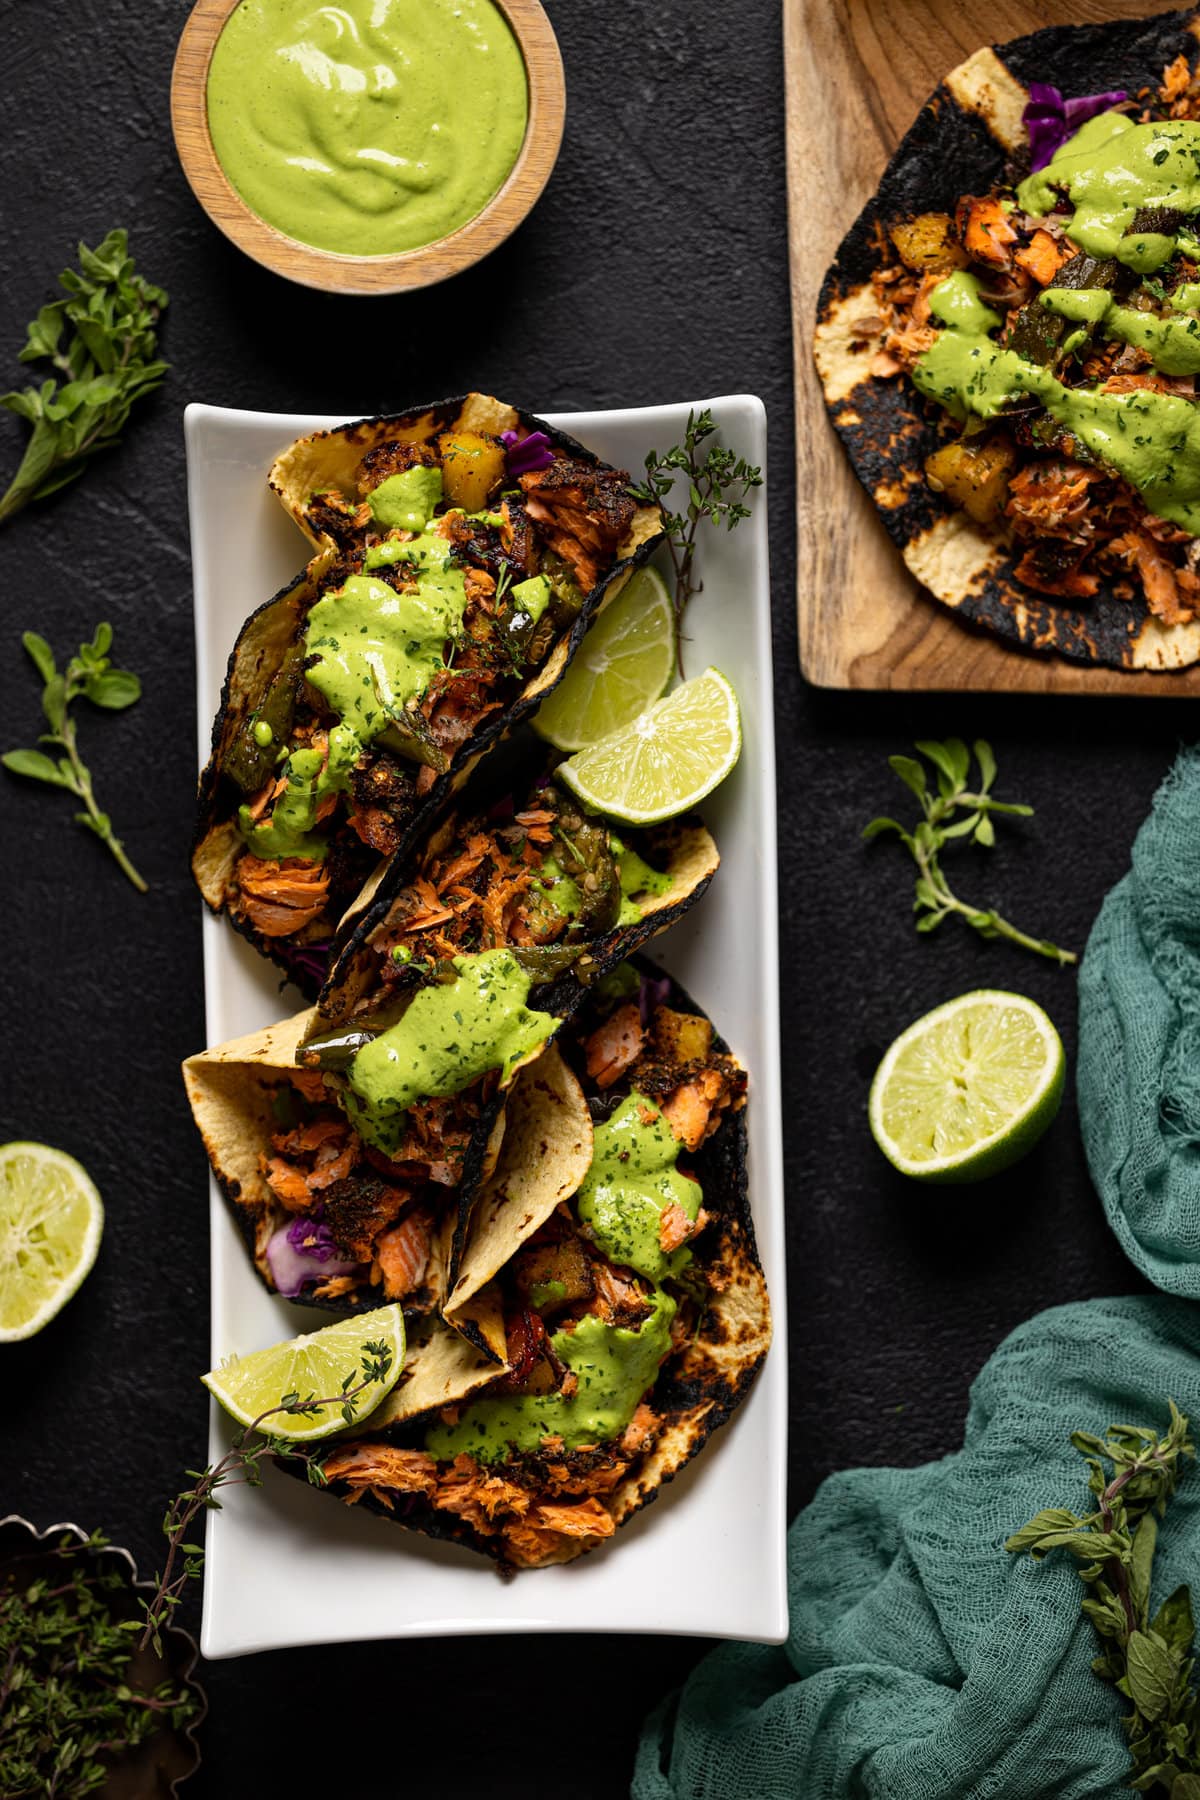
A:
1139,1042
923,1661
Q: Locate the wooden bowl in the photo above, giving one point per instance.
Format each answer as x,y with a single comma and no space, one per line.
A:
391,274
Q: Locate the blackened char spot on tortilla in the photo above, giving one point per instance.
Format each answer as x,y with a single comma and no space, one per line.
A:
887,429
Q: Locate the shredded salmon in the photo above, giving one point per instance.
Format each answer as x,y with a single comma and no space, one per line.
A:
556,1533
674,1227
383,1466
402,1253
1176,77
472,1494
281,898
1052,497
641,1430
1042,257
689,1110
288,1183
335,1287
987,231
1159,577
615,1045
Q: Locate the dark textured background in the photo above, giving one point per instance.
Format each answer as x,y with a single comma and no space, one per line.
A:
653,269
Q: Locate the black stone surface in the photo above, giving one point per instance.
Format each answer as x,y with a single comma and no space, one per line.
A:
654,268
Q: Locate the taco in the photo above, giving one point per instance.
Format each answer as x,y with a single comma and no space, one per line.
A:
1009,340
352,1145
461,552
635,1313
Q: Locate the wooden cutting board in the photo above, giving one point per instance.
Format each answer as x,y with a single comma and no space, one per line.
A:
858,71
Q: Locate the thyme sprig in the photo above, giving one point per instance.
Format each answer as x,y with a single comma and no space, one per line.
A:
1148,1658
935,899
91,674
240,1467
101,339
718,485
70,1701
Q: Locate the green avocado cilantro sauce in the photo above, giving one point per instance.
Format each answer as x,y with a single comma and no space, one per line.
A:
637,877
614,1366
408,500
311,775
635,874
632,1181
370,651
451,1034
1111,170
371,127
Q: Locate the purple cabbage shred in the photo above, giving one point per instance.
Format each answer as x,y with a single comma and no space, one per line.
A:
302,1251
311,960
525,455
1051,120
651,994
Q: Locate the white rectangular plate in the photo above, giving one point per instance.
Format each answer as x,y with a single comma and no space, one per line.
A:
288,1565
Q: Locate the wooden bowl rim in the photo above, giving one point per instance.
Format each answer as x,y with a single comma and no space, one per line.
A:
393,272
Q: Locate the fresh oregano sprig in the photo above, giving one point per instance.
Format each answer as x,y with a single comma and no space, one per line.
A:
240,1467
91,674
102,340
718,484
975,808
71,1704
1148,1658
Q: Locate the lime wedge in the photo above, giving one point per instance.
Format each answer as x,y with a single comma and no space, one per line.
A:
51,1220
969,1089
667,760
623,664
314,1367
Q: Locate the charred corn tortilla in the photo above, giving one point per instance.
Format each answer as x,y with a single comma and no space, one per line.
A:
330,461
961,143
699,1386
235,1089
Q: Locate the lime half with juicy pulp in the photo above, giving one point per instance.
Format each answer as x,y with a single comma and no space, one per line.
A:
312,1367
51,1221
667,760
969,1089
622,666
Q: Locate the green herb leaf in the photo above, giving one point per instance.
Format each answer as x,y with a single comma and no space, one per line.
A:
717,483
911,773
40,651
1152,1674
113,688
939,826
89,674
33,764
1173,1622
1114,1546
102,339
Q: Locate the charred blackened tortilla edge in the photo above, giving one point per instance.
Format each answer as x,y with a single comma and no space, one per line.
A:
700,1394
958,144
211,833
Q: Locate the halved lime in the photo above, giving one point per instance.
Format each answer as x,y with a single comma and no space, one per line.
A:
312,1367
667,760
623,664
969,1089
51,1220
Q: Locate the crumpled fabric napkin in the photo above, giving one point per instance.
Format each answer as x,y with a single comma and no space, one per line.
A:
1139,1042
924,1662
